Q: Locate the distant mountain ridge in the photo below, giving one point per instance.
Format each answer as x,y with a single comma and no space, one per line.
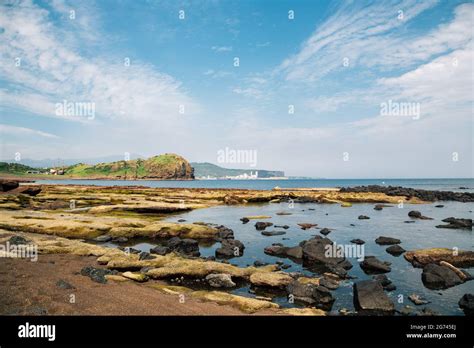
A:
208,169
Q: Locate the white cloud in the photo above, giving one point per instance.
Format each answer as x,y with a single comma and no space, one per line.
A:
363,35
50,72
13,130
222,48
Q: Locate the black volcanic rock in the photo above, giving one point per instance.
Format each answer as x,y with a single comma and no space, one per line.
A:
456,223
357,241
436,277
425,195
467,304
387,240
395,250
372,265
260,226
370,298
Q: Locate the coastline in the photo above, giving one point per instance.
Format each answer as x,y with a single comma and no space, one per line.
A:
61,230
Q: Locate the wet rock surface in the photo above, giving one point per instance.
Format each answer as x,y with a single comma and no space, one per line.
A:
230,248
387,240
325,231
272,233
358,241
278,249
439,277
160,250
370,298
372,265
467,304
385,282
185,246
395,250
455,223
31,191
8,185
310,294
261,225
425,195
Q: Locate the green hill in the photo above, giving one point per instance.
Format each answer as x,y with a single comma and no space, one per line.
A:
165,167
209,169
15,168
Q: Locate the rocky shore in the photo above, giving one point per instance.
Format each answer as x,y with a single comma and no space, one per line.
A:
92,225
424,195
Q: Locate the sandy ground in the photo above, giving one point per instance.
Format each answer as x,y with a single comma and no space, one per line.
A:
29,288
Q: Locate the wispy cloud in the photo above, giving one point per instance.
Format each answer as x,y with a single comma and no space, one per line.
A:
221,48
356,34
50,71
13,130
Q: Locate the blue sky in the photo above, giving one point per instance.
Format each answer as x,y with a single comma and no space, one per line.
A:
335,63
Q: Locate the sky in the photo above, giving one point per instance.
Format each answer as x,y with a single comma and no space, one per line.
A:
333,89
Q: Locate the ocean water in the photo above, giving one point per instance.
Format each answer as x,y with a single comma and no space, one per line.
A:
427,184
388,222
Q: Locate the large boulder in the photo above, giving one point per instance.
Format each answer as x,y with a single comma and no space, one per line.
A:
230,248
261,225
357,241
456,223
467,304
224,233
31,191
185,246
278,249
372,265
458,258
8,185
315,251
417,215
160,250
395,250
310,294
387,240
272,233
436,277
301,292
369,298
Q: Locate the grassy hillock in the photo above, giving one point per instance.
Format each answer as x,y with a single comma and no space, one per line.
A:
15,168
167,167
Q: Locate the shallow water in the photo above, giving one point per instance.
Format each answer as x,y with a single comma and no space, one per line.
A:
388,222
